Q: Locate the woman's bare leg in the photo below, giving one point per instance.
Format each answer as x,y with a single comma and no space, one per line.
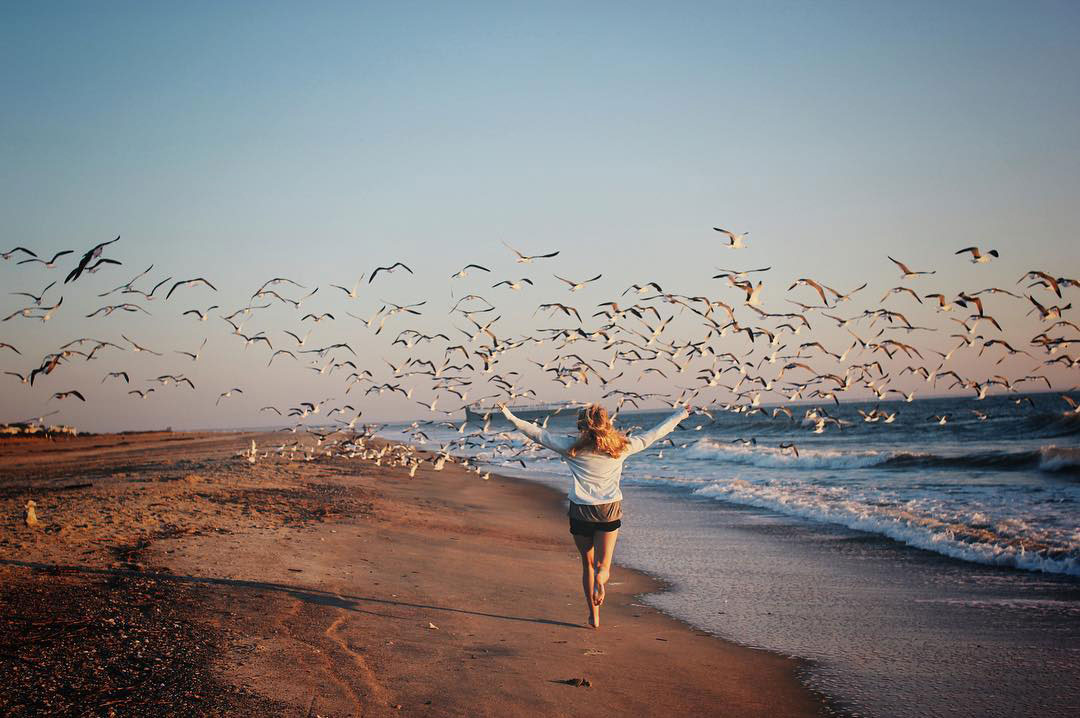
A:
585,548
604,549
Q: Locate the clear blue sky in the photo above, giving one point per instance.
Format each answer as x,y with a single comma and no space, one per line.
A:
244,142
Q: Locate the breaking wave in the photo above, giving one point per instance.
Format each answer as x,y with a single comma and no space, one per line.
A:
1008,543
1052,459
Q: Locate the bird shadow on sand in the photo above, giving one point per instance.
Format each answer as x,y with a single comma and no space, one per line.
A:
307,595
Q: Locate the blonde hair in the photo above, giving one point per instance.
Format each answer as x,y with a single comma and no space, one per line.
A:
598,433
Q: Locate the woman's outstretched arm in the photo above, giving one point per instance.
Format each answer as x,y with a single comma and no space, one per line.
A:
559,444
640,442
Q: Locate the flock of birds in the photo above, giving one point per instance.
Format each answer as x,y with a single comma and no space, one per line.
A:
723,354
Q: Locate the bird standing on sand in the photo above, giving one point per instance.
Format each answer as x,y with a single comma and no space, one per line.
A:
31,518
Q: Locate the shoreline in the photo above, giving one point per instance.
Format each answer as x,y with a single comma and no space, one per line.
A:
337,587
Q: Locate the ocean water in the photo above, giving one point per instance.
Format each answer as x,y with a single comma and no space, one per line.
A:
918,568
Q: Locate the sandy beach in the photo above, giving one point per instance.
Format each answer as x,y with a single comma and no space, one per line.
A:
167,576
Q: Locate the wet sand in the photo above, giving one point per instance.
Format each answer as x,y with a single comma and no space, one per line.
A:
332,588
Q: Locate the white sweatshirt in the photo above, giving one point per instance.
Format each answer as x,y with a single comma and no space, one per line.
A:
596,475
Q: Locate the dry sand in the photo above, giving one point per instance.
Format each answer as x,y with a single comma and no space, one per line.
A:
184,581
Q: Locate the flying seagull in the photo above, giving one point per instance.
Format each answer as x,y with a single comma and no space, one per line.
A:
136,348
189,283
201,315
512,284
350,293
908,274
104,260
49,264
976,256
227,394
391,268
735,241
526,258
36,297
13,250
574,286
91,255
461,273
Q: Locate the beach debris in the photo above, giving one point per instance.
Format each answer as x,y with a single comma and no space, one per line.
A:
593,652
432,626
578,682
31,514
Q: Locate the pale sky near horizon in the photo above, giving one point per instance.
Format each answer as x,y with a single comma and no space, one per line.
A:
320,142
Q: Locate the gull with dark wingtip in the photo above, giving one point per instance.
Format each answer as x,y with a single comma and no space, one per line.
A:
388,270
978,257
48,263
523,258
90,256
189,283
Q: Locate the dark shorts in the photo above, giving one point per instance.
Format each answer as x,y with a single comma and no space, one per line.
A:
588,528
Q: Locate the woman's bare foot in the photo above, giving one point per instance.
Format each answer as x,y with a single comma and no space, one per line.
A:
599,580
594,617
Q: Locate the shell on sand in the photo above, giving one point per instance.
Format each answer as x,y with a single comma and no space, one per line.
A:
31,514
